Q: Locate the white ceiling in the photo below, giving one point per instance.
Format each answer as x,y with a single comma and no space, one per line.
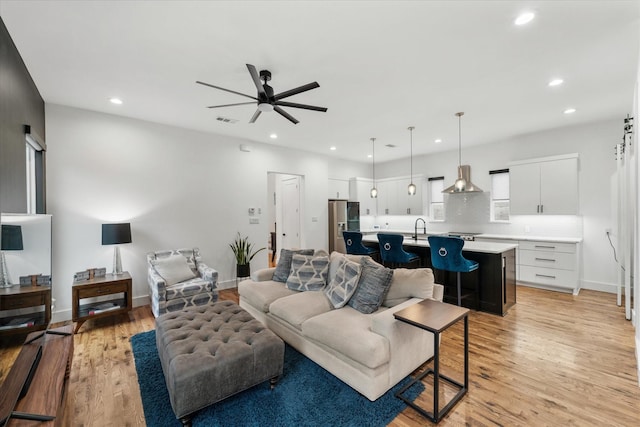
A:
382,66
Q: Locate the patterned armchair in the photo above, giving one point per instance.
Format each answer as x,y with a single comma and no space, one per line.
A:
179,279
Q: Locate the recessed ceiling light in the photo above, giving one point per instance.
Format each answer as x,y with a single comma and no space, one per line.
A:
116,101
332,148
438,141
273,136
556,82
369,156
570,111
524,18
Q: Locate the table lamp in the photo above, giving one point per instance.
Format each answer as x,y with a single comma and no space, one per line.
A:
11,240
116,234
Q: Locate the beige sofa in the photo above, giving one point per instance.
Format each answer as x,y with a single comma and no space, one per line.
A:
369,352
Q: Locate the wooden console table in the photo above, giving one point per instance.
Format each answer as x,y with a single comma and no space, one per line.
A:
111,284
33,393
25,297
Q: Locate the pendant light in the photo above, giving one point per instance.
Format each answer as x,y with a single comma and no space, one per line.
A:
374,191
411,189
463,184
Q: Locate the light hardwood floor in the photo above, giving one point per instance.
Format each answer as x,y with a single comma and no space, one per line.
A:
554,360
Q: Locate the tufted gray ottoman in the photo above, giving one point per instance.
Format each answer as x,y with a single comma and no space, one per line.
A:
211,352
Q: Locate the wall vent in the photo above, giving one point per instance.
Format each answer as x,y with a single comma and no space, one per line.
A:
391,145
226,119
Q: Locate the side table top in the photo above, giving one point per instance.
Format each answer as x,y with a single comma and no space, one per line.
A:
15,290
105,279
434,316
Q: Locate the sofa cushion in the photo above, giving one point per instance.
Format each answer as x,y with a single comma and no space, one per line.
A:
188,288
173,269
348,332
295,309
308,273
284,263
409,283
261,294
344,284
372,288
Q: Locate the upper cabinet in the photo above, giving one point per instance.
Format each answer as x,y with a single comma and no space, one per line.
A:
394,199
338,188
359,191
547,186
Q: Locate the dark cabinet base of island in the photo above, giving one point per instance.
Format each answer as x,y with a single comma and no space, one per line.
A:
495,279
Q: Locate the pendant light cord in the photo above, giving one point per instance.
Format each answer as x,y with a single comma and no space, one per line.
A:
373,159
460,138
411,143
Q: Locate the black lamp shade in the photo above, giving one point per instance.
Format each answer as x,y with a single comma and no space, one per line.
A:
115,234
12,238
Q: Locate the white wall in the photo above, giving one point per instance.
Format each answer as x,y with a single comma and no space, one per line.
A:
594,143
177,187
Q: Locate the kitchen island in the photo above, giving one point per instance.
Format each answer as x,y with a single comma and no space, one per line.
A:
495,278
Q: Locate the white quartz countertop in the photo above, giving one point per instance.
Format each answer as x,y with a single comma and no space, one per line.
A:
526,237
471,246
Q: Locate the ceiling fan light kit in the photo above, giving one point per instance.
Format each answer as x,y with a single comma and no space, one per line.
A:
266,100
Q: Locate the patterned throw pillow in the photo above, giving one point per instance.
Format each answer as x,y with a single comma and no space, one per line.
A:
374,283
308,273
343,285
284,263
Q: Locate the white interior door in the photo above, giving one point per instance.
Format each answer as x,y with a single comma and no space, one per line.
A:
290,229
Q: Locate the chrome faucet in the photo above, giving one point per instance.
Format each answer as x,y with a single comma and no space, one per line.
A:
415,230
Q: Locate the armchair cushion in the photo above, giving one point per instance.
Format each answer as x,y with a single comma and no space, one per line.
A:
173,269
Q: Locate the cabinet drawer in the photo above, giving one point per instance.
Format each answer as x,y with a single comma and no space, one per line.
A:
561,260
22,301
548,246
549,276
101,290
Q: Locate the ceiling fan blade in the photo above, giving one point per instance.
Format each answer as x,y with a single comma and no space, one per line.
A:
231,105
296,91
285,115
226,90
305,106
255,116
256,80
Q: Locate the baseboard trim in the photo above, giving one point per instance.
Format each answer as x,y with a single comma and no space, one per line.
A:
611,288
227,284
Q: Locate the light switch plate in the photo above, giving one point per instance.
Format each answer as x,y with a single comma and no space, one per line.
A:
254,220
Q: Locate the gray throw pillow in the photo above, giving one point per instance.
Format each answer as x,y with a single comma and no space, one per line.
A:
284,263
343,285
308,273
374,283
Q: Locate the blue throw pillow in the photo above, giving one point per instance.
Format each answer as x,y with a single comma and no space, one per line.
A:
343,285
284,263
308,273
374,284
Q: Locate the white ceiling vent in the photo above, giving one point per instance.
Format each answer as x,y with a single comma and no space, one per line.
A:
226,120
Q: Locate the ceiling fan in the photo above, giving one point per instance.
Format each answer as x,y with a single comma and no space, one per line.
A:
266,99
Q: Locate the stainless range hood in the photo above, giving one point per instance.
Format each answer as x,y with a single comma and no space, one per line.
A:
463,184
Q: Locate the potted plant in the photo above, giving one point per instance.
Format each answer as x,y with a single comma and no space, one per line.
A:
244,252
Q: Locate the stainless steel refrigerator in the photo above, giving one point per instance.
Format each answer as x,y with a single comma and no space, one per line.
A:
343,215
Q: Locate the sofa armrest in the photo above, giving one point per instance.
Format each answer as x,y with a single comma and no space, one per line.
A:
157,282
438,292
263,275
409,346
208,273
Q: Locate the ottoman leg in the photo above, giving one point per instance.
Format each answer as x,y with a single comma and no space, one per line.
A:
273,381
186,421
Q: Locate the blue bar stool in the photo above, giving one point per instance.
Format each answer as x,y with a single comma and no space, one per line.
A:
446,254
392,253
353,243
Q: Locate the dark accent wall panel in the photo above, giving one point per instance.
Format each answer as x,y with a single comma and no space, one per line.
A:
20,104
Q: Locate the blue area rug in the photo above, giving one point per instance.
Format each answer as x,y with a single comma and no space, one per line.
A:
306,395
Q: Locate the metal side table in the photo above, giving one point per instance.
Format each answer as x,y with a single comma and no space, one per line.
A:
436,317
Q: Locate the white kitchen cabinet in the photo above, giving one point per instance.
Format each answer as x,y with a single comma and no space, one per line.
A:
338,188
546,186
394,199
554,264
359,191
